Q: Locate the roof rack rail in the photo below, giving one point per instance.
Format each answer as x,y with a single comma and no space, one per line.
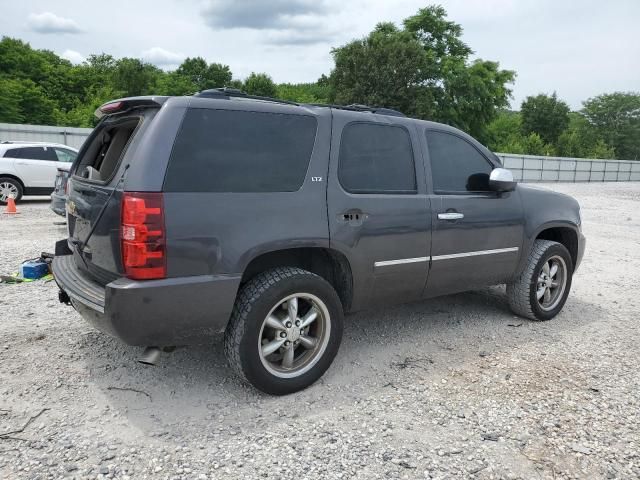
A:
356,107
226,92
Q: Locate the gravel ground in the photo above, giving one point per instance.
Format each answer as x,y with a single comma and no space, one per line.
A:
456,387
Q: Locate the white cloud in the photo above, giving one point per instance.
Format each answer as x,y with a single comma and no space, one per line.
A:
258,14
286,22
162,57
48,22
73,56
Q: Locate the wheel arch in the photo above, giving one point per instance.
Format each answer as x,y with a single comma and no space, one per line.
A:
15,177
327,263
565,233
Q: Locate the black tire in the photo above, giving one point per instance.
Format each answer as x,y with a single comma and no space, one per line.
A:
255,301
523,291
16,185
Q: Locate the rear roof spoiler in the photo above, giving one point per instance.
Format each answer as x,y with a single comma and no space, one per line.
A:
121,105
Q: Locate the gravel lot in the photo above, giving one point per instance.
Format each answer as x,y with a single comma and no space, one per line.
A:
456,387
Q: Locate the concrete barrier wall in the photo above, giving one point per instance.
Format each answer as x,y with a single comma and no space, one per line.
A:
74,137
530,168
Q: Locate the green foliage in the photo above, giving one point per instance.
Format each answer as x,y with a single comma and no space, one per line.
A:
423,70
545,115
303,92
260,84
204,76
235,83
134,77
173,83
504,134
616,117
579,139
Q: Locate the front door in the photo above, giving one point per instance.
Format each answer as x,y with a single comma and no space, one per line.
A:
379,213
477,233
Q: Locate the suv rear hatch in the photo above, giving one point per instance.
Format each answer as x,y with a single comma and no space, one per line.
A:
95,188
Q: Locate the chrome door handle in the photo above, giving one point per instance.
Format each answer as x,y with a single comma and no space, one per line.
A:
450,216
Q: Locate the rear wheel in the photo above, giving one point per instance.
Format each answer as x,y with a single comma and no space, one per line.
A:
285,330
9,187
541,290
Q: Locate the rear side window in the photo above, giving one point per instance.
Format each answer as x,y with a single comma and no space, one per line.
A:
456,165
376,158
237,151
13,153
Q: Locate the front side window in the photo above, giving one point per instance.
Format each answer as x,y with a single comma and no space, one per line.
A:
376,158
456,166
238,151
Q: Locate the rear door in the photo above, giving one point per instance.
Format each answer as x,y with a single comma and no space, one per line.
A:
37,166
477,233
95,191
379,214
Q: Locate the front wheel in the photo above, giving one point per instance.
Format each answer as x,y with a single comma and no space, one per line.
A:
285,330
541,290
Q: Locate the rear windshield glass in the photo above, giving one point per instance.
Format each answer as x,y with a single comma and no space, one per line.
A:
237,151
102,156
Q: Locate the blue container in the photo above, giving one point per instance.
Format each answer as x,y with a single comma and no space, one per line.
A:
34,269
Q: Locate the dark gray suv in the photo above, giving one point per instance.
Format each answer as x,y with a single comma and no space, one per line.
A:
266,220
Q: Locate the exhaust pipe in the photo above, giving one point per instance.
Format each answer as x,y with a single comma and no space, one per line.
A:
150,356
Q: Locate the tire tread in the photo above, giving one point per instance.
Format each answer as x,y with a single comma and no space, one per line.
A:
518,291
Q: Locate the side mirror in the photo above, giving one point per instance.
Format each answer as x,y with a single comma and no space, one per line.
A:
501,180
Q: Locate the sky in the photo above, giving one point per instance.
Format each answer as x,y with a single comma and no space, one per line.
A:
578,49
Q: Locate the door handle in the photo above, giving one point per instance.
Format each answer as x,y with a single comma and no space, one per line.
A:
450,216
353,217
22,163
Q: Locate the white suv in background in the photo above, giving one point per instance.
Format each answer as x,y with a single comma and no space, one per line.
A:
30,168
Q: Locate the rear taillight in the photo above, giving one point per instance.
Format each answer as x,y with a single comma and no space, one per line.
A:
143,236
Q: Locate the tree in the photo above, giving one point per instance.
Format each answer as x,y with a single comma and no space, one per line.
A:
204,76
133,77
616,116
260,84
534,145
545,115
582,140
504,134
423,70
303,92
173,83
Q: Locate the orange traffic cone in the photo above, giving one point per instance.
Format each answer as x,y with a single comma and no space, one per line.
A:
11,207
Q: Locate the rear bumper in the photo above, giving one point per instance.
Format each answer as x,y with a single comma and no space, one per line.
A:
57,203
173,311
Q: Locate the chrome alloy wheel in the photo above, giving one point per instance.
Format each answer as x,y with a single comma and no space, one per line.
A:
294,335
552,282
8,190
